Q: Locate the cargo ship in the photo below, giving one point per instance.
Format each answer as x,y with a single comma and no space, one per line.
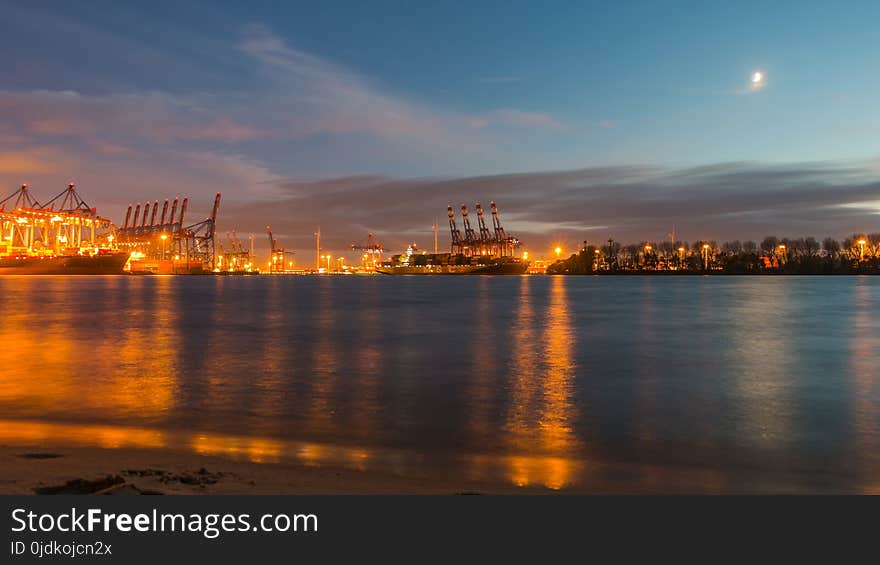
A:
447,264
98,264
482,251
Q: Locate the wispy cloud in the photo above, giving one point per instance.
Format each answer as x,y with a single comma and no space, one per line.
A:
154,117
505,79
326,98
30,160
511,117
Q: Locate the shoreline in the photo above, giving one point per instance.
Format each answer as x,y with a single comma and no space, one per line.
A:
29,469
46,469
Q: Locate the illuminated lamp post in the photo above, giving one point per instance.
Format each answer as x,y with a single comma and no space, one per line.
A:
782,249
163,237
558,252
862,242
705,256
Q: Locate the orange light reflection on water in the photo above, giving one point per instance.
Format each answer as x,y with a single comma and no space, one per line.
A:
122,379
541,411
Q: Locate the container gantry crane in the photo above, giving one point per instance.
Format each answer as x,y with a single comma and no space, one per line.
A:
278,254
372,251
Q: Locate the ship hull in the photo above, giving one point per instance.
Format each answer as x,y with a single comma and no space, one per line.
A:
505,268
109,264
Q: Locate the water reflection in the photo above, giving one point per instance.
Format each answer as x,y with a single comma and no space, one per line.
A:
72,358
481,392
865,345
531,381
325,357
539,421
365,378
275,370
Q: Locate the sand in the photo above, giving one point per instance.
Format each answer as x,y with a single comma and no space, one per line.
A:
93,470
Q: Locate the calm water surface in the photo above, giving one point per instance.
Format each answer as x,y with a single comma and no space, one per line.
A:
721,384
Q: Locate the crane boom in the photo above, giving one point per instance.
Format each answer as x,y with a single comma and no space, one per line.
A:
485,237
271,239
454,231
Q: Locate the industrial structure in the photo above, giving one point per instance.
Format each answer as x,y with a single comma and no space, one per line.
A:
63,236
372,252
278,255
480,251
233,257
169,246
64,225
495,242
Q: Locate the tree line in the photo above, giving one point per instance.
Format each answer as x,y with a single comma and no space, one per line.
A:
806,255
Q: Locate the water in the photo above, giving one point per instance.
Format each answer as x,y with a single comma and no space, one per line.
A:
641,384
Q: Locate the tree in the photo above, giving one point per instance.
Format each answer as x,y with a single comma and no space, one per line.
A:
831,247
732,247
769,244
811,247
666,248
872,249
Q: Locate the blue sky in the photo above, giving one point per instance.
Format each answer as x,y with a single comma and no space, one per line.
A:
162,98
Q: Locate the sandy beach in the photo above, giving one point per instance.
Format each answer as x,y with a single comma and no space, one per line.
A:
51,469
91,470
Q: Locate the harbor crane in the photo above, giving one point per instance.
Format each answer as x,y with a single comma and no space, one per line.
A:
486,239
506,244
470,236
457,244
372,251
233,257
278,253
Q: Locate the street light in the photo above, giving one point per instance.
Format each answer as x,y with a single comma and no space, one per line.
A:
558,252
163,237
862,243
706,256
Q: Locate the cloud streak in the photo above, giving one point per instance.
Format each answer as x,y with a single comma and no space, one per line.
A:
326,98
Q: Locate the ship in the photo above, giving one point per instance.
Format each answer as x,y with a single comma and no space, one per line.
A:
98,264
438,264
489,252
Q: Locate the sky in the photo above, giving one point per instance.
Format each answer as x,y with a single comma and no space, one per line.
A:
583,120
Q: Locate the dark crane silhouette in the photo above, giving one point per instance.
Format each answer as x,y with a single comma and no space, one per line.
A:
278,256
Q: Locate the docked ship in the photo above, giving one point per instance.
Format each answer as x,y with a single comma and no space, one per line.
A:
64,236
98,264
489,252
439,264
